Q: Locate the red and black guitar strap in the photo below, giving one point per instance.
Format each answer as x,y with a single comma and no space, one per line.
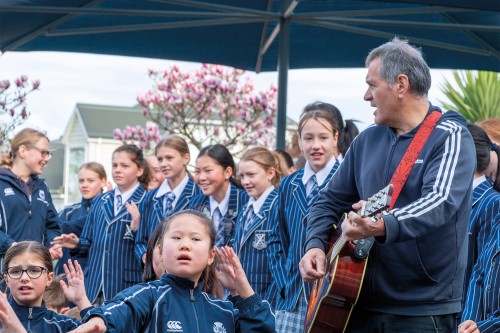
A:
403,171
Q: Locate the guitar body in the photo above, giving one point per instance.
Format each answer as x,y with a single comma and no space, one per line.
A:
333,297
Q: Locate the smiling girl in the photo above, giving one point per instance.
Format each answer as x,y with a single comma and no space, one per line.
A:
221,199
172,195
260,173
26,208
176,303
107,238
319,143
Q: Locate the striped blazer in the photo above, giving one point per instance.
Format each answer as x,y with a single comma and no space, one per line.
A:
108,242
237,199
286,241
251,249
485,206
483,298
151,210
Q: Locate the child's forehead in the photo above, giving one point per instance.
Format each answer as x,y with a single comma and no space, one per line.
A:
187,222
26,258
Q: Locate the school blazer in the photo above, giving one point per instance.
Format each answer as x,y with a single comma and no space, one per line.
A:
151,210
285,248
485,206
251,248
108,242
237,199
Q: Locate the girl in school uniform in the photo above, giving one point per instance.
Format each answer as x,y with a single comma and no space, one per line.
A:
107,237
176,303
172,195
28,271
222,198
91,181
260,172
319,137
26,208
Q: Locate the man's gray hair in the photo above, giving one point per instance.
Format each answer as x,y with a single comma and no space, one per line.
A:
398,57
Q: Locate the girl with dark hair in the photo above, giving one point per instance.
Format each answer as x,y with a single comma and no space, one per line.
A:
347,130
172,195
107,238
91,182
319,135
222,198
485,199
176,302
26,208
28,271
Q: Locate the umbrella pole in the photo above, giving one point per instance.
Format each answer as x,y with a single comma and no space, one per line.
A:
283,65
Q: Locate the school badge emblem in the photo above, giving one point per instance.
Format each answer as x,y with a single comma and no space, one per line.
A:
128,233
41,195
259,241
219,328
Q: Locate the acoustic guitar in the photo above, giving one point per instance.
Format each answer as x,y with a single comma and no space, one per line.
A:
334,296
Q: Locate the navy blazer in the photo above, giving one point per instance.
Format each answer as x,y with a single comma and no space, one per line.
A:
286,243
251,248
237,199
152,214
485,206
108,242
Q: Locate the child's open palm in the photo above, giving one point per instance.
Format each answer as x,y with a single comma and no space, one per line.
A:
230,273
75,289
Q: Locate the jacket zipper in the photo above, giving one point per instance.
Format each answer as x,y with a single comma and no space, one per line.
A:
191,292
30,317
29,198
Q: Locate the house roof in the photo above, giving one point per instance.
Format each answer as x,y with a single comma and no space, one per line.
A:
101,120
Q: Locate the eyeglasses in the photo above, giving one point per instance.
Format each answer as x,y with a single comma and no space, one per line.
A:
33,272
45,153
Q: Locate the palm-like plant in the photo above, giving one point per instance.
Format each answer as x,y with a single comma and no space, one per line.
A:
477,96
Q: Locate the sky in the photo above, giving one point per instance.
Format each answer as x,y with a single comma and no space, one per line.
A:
70,78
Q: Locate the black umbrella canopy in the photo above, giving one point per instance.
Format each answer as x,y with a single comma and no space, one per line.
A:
258,35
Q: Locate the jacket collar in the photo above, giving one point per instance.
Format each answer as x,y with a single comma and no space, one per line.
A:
182,285
23,312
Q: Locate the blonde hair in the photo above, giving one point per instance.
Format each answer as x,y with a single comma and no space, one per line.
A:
26,137
267,159
96,167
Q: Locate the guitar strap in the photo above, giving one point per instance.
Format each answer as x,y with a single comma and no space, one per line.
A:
403,171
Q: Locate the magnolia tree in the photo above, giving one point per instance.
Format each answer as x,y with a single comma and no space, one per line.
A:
214,104
13,111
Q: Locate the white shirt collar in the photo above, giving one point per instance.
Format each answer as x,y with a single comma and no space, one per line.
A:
320,175
478,181
257,204
126,195
165,188
223,205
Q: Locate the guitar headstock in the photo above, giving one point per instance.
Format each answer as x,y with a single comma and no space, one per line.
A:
378,202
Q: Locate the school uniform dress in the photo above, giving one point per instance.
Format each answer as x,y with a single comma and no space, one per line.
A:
296,195
174,304
108,241
39,319
485,206
250,243
230,209
26,211
160,204
72,220
483,298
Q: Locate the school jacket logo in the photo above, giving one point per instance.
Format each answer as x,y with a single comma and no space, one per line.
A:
219,328
174,326
41,195
8,191
259,241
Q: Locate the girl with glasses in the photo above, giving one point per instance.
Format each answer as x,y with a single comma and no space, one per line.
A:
28,271
26,208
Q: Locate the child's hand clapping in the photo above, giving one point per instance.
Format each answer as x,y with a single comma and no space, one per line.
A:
75,289
9,319
231,274
69,241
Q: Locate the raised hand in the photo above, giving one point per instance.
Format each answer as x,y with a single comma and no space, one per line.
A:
136,215
69,241
231,274
8,317
55,252
75,289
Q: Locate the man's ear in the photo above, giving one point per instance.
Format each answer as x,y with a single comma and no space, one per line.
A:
403,84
